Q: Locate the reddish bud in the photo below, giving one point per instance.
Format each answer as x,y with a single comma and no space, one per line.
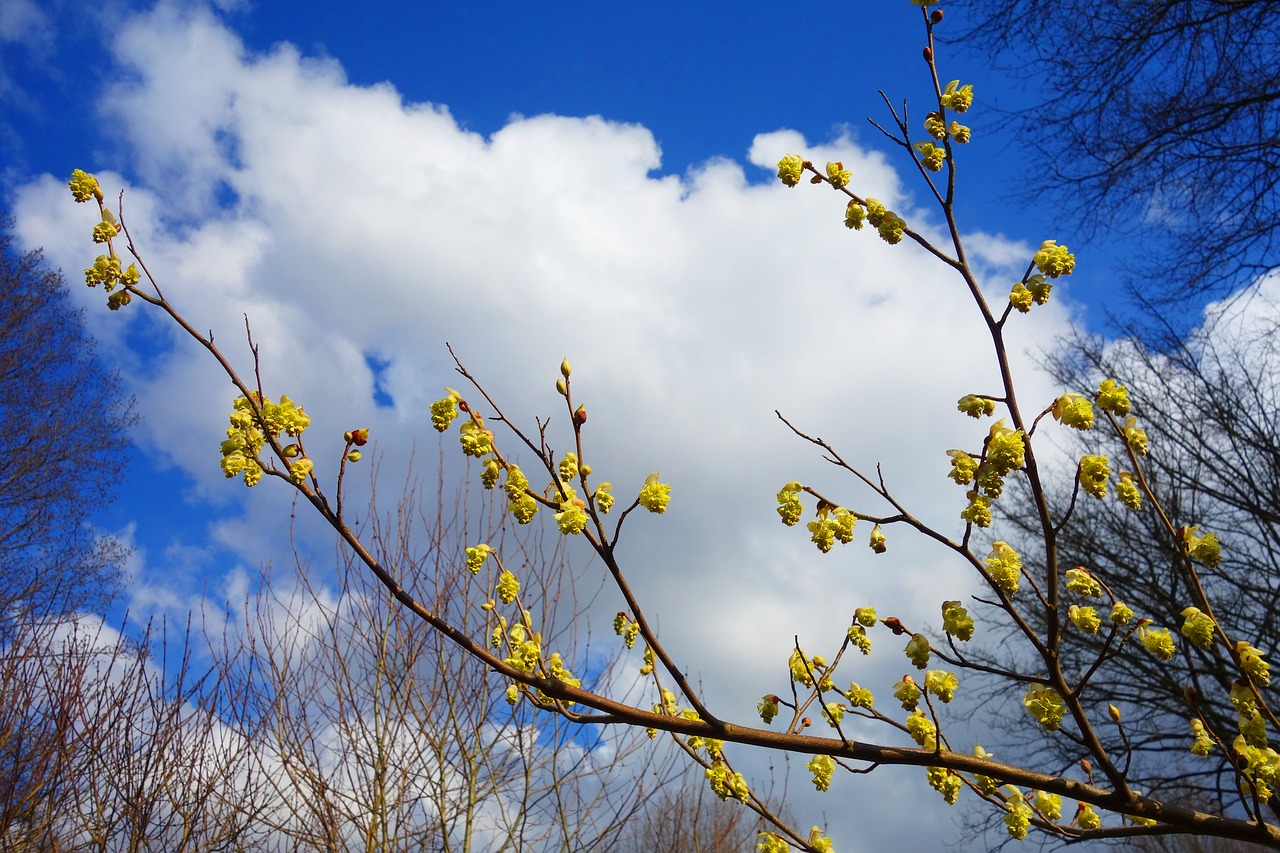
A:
816,179
463,407
894,625
928,54
580,415
805,723
359,437
935,17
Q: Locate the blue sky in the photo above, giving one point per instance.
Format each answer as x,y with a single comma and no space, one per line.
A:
531,183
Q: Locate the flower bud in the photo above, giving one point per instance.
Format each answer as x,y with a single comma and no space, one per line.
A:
1114,712
358,437
561,388
353,456
291,451
585,469
928,54
463,407
565,368
895,625
580,415
935,17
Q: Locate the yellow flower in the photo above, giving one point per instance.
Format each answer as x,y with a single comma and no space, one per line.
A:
1045,706
84,186
838,175
507,587
822,767
1158,641
790,169
1074,410
654,496
1005,566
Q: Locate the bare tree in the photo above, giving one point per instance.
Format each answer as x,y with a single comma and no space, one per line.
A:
63,431
1212,405
377,735
1157,119
689,817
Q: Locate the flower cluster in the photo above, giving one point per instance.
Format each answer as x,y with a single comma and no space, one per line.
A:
1079,581
790,169
1095,471
1084,618
956,620
626,628
1005,566
1049,805
1003,453
1252,664
1121,613
822,767
922,729
1203,744
106,268
246,437
1054,260
975,406
942,684
859,697
917,650
1128,492
1033,291
1158,641
957,97
727,784
654,495
1073,410
854,215
946,782
1113,397
838,176
1198,627
932,157
833,524
888,224
1203,549
1045,706
508,587
907,692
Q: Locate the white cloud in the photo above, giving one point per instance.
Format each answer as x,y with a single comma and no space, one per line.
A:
691,307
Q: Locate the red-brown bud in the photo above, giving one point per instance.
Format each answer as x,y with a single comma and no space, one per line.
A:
894,625
359,437
816,179
580,415
928,54
935,17
463,407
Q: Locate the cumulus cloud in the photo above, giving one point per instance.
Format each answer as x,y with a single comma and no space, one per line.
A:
351,226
